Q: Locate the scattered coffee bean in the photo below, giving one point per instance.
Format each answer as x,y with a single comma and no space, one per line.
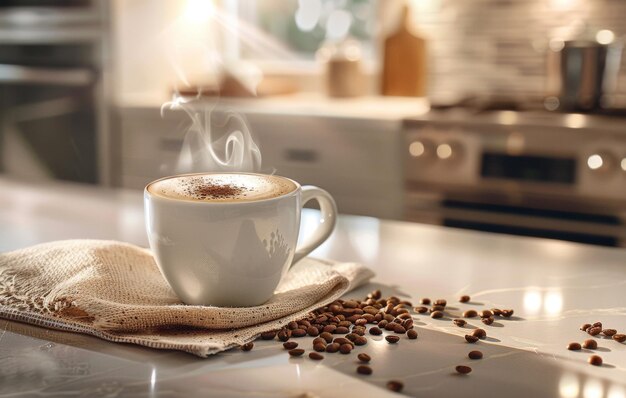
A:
421,310
319,347
597,325
471,339
284,335
464,299
440,302
342,330
363,357
585,326
487,321
247,346
292,325
345,348
298,333
436,315
475,355
486,314
342,340
364,370
459,322
316,356
360,341
375,331
594,330
327,336
390,326
595,360
382,324
619,337
290,345
395,385
329,328
590,344
268,335
437,308
412,334
609,332
462,369
470,314
399,329
392,339
376,294
312,331
425,301
333,347
480,333
573,346
296,352
507,313
496,311
319,340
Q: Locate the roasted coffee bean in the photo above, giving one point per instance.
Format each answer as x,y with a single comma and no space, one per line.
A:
352,336
594,330
441,302
471,339
375,331
389,317
609,332
342,340
358,331
296,352
470,314
398,320
304,324
496,311
327,336
350,304
437,308
369,318
319,340
392,339
595,360
425,301
412,334
319,347
290,345
590,344
284,335
342,330
360,341
585,326
312,331
395,385
399,329
619,337
436,315
363,357
486,314
480,333
464,298
390,326
573,346
421,310
507,313
316,356
364,370
404,315
597,325
292,325
382,324
459,322
333,347
462,369
298,333
268,335
487,321
321,319
475,355
408,324
247,346
361,322
345,324
376,294
345,348
329,328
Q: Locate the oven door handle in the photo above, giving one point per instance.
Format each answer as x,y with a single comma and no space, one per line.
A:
19,74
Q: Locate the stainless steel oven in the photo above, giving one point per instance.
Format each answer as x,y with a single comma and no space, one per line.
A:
559,176
53,89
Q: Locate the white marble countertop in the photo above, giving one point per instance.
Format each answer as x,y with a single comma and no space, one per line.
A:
553,287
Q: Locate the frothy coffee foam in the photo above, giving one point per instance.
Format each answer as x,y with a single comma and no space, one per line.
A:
222,187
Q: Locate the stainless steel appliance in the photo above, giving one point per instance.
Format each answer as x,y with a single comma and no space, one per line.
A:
53,89
551,175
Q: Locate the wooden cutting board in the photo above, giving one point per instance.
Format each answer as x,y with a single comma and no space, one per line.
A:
404,62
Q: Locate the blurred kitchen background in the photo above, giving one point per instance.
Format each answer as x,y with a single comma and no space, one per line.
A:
497,115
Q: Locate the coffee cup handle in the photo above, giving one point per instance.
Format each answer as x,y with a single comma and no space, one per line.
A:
328,219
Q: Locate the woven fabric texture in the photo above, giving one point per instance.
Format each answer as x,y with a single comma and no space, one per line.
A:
115,291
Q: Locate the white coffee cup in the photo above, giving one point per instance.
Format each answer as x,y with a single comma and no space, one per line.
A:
231,253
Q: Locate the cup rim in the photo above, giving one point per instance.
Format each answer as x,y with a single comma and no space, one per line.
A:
207,203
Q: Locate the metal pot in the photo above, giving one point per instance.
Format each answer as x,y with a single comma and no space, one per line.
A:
581,74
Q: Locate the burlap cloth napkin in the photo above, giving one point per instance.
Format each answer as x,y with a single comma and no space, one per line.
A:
115,291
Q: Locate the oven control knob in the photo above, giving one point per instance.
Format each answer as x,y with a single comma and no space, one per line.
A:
449,151
421,149
601,162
